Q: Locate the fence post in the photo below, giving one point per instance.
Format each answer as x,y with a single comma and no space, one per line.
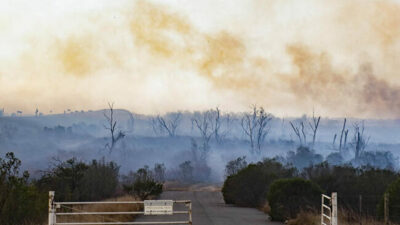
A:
360,198
386,208
52,209
334,209
190,213
322,209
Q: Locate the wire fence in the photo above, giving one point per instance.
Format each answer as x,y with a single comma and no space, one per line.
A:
368,209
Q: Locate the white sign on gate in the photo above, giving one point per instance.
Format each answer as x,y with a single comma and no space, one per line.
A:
158,207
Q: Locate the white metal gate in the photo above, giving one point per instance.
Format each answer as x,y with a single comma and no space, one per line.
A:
329,209
53,206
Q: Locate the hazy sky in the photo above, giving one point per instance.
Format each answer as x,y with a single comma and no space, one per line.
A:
340,57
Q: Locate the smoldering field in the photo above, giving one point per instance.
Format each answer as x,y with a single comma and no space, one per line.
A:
39,141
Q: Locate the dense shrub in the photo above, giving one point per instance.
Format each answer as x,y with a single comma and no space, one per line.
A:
250,185
234,166
350,183
100,180
144,184
186,171
377,159
73,180
303,157
20,202
335,158
287,197
394,198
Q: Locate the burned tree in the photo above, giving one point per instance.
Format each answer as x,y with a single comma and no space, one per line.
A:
217,126
228,121
255,127
314,127
115,134
359,142
222,125
344,133
299,130
167,124
130,123
334,141
205,123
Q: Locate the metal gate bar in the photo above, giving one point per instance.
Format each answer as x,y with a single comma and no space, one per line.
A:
116,223
331,207
110,213
54,205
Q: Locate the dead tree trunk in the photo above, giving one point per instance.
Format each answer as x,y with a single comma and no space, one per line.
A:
334,140
217,124
360,142
112,126
255,126
341,135
205,124
249,123
167,124
297,132
314,128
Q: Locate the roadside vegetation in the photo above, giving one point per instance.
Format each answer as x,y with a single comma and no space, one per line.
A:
287,193
25,201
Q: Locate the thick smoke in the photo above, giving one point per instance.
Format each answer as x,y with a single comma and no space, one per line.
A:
340,57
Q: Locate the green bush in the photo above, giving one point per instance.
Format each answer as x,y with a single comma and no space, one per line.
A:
394,198
303,157
350,183
74,180
20,202
144,184
249,186
234,166
287,197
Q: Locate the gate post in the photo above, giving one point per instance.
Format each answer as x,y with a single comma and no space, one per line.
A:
52,209
334,209
190,213
386,208
322,209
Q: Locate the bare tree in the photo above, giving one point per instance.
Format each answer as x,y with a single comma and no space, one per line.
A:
360,142
228,120
217,126
115,134
130,124
299,130
314,127
334,140
345,139
342,145
167,124
205,123
249,124
255,127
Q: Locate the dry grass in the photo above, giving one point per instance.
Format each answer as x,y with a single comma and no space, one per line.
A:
104,208
313,218
266,208
305,218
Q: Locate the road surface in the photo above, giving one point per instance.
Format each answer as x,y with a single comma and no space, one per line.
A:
209,209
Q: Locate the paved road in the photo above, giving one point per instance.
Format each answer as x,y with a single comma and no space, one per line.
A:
209,209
